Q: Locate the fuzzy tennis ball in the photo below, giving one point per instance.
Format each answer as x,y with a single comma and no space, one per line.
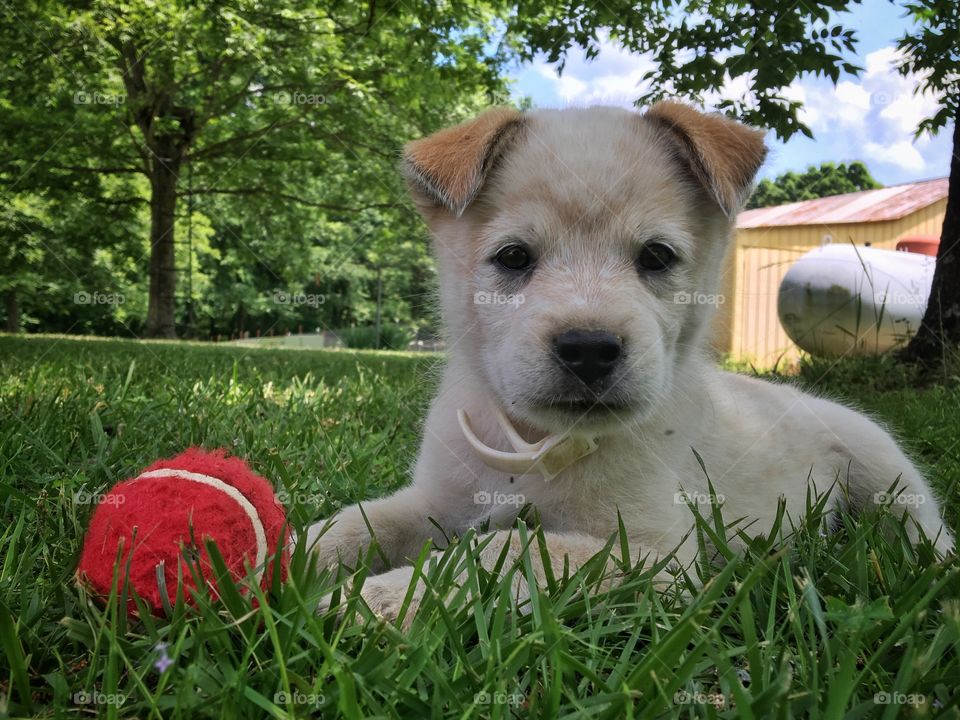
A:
163,517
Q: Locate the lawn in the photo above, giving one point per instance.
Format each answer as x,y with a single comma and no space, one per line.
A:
850,624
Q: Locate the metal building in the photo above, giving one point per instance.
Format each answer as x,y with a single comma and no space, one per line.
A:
768,240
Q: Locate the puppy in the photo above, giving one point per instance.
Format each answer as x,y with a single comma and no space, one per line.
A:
565,240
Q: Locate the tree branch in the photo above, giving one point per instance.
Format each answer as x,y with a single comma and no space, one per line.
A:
214,148
97,170
287,196
121,201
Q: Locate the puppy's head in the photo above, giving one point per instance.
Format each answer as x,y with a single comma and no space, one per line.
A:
579,250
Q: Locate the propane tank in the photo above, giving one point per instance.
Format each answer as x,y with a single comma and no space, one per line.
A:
848,300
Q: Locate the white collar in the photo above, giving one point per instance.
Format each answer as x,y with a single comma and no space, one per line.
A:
547,458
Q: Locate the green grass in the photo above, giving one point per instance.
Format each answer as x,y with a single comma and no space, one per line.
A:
814,628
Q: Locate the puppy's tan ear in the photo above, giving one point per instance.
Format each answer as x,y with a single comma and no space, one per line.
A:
724,154
449,167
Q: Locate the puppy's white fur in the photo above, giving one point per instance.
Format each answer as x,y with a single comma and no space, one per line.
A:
583,189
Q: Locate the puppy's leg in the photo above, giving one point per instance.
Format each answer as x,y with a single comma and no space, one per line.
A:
871,473
912,496
400,522
385,593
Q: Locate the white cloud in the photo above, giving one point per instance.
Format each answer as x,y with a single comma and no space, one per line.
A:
879,61
852,95
872,117
906,110
902,154
615,77
567,86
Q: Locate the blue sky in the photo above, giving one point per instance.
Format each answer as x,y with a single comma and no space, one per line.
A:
871,117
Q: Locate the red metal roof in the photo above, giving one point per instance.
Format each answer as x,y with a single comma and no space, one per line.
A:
889,203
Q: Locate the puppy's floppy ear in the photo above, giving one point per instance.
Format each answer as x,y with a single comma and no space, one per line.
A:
448,168
723,154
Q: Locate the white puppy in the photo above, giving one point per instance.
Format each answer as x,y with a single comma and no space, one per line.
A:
565,240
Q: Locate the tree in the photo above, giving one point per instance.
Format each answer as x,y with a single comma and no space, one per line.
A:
815,182
933,53
699,45
242,99
57,263
59,220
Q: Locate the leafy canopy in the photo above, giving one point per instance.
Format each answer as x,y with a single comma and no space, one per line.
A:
815,182
932,52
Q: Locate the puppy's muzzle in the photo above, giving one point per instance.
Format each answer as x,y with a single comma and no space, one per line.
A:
589,355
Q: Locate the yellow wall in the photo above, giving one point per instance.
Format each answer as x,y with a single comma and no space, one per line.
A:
747,327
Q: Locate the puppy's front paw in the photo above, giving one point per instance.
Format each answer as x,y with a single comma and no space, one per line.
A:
385,595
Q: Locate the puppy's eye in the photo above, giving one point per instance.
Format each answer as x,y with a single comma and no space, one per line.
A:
514,257
656,257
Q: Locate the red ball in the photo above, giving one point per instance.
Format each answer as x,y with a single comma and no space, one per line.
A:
168,513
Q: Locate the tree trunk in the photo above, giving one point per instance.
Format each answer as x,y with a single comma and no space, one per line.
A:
241,319
379,304
940,328
13,310
161,307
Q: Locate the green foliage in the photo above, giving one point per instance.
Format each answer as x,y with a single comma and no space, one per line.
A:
830,625
276,128
392,337
932,52
69,269
815,182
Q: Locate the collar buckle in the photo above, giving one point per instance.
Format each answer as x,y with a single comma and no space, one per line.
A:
547,457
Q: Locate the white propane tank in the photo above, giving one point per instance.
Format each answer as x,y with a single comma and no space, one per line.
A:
841,299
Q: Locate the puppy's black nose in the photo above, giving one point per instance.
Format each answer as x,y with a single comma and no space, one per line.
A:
588,354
